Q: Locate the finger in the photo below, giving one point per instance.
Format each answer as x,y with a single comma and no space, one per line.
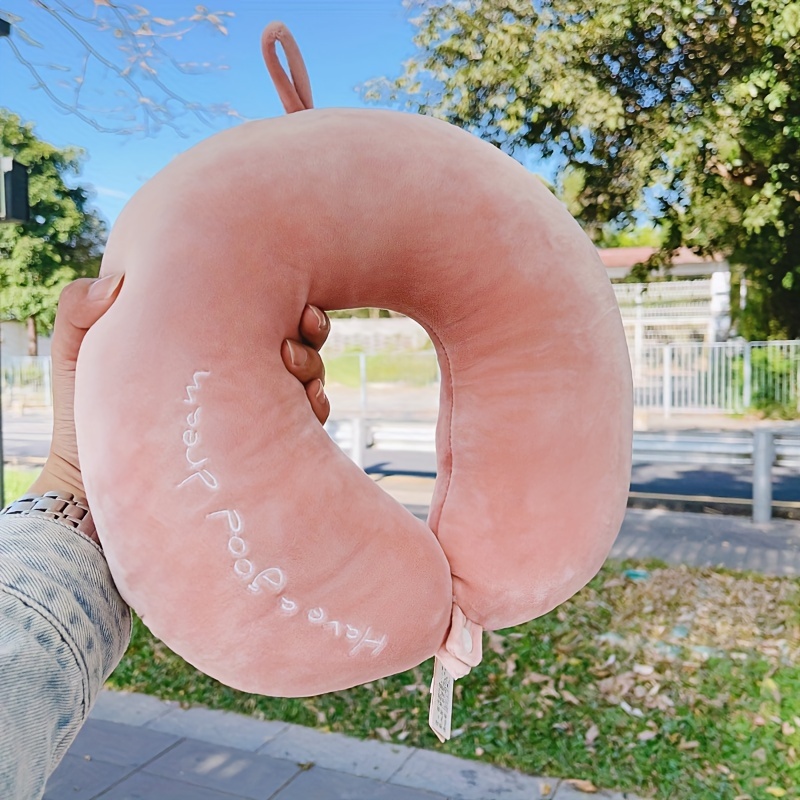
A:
319,400
302,361
314,326
81,304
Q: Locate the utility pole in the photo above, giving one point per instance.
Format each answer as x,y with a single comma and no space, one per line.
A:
14,207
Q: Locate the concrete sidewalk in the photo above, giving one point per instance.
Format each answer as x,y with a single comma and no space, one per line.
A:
135,746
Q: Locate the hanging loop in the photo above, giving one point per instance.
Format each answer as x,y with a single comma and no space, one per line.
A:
294,92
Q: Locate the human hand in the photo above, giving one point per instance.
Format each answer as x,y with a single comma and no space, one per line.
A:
82,303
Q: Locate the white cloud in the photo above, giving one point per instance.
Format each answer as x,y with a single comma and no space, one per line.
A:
105,191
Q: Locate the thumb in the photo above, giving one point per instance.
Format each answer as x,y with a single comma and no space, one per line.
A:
81,304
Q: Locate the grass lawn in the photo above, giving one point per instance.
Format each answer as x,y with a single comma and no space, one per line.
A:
17,482
677,683
414,369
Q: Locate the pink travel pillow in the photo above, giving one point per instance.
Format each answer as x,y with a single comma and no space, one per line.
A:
241,534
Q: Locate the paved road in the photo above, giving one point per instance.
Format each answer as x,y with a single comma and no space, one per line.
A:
734,481
27,438
676,537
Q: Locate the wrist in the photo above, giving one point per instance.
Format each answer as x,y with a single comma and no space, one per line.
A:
58,476
57,506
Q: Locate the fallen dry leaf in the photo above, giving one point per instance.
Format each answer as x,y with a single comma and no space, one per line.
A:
591,735
569,697
582,785
688,745
535,677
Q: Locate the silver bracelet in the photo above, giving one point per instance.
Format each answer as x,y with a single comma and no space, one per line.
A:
62,507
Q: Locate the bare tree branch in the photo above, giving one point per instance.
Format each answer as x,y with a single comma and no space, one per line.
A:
69,109
139,37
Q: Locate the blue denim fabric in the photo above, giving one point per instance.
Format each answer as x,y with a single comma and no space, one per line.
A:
63,630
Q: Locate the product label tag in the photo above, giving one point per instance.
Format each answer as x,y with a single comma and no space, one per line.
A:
441,712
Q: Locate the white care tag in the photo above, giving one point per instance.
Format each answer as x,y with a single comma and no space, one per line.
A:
441,712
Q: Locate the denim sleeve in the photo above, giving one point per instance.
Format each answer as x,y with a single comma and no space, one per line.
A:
63,630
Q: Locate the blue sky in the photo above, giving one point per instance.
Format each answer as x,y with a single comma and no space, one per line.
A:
344,43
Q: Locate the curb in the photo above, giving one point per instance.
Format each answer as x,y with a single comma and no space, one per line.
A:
395,765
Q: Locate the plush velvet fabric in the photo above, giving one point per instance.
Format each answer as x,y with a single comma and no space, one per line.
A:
205,466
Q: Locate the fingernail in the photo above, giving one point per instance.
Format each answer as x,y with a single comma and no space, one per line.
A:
103,288
298,354
321,393
466,640
322,320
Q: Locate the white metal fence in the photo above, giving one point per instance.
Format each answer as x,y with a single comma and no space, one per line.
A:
662,312
728,377
26,382
725,378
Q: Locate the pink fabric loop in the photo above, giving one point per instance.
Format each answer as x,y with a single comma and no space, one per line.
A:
464,646
295,93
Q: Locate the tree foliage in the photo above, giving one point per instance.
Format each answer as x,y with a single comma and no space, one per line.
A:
116,65
683,111
63,239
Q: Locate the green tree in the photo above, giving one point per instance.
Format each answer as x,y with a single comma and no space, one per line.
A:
684,111
62,241
640,236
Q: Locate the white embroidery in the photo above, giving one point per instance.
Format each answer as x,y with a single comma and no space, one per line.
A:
273,578
191,437
205,476
351,632
243,567
234,520
192,389
288,606
237,546
377,645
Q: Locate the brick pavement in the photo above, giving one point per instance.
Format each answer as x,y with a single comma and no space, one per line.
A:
135,746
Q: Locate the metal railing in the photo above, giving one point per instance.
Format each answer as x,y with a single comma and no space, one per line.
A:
762,448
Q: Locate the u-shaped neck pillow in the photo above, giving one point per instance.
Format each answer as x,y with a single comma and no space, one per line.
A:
242,535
